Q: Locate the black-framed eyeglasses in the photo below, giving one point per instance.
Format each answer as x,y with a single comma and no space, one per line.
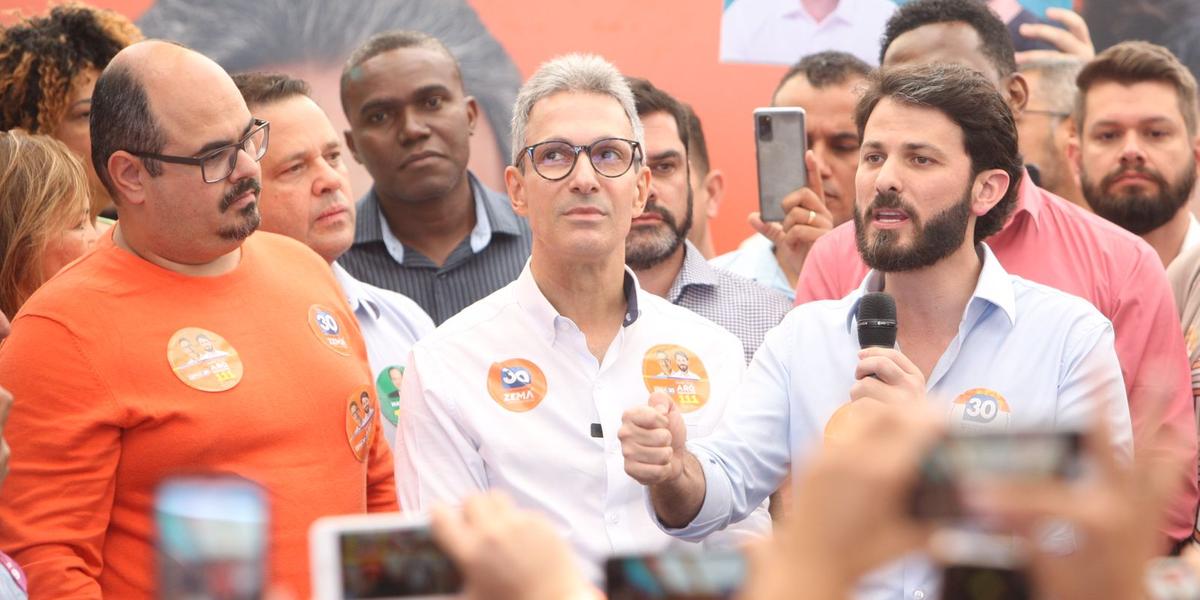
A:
217,164
554,160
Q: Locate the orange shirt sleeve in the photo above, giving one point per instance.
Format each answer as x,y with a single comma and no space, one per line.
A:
65,436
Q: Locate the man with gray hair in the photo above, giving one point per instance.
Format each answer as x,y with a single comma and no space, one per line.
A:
1045,126
524,390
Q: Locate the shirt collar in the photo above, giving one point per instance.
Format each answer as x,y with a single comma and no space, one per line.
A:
546,317
1192,237
695,271
1030,200
845,12
493,213
994,288
361,303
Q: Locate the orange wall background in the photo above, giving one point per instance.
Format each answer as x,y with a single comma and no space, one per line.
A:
671,42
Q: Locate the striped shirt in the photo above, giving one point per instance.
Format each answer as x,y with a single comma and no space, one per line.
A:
487,260
743,307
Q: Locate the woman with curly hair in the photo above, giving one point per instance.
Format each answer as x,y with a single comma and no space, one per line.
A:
48,68
45,216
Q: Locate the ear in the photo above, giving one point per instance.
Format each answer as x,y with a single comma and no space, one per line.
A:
1016,92
714,185
988,190
643,190
515,184
350,146
128,176
472,113
1074,153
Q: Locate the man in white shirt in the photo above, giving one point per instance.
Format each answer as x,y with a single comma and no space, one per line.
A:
783,31
306,196
1021,356
1137,149
524,390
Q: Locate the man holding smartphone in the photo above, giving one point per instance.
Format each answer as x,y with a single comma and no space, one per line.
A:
993,351
666,263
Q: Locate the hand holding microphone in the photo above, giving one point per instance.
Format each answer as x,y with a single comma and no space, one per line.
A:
652,440
883,373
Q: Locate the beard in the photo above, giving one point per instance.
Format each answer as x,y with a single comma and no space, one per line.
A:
647,246
248,217
932,242
1134,210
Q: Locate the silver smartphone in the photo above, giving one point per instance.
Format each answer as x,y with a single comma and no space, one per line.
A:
779,142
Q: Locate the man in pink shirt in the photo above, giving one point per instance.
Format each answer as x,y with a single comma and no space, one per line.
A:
1050,241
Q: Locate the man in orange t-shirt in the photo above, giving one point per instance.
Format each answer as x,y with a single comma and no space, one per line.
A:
182,344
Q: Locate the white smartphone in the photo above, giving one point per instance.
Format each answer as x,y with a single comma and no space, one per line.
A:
378,557
779,143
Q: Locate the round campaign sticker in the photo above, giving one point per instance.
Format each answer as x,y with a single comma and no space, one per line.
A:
204,360
387,385
327,329
980,409
516,384
360,418
678,372
1191,338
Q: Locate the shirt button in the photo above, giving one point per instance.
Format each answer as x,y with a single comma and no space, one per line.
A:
919,595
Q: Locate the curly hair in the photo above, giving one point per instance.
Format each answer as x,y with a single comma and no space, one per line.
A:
40,56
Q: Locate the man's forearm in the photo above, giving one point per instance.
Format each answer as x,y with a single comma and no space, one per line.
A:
677,502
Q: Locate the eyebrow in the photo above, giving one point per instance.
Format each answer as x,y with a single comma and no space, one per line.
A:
390,101
222,143
1154,120
907,147
665,154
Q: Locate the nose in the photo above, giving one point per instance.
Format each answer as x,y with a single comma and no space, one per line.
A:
1131,150
245,166
414,127
887,176
583,178
329,179
821,151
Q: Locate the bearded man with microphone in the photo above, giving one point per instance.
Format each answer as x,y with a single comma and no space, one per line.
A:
937,175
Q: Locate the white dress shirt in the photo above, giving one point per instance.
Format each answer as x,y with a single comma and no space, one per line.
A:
782,32
755,259
390,324
507,396
1026,356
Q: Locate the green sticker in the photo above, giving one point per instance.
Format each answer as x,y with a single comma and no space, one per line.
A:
388,386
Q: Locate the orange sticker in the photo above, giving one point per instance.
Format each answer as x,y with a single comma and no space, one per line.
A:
360,423
516,384
326,327
679,373
980,409
204,360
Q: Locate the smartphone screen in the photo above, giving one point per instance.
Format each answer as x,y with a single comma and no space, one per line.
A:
972,582
394,563
675,576
212,537
780,143
960,459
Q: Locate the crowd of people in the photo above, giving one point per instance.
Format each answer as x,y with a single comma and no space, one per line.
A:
564,370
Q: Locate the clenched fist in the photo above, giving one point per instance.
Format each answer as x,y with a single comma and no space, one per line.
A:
652,440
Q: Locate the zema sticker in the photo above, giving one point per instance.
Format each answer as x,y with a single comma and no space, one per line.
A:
387,385
360,418
516,384
204,360
679,373
979,409
325,326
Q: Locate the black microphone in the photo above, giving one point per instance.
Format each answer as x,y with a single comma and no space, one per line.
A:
877,321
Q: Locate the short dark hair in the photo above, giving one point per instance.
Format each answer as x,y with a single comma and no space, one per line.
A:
697,146
267,88
831,67
395,40
994,38
649,99
1133,62
966,97
121,119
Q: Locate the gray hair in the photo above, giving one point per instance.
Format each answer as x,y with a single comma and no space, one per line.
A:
572,73
1056,85
252,35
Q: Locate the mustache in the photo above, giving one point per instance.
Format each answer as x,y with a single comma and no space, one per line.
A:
889,199
246,185
1154,176
653,207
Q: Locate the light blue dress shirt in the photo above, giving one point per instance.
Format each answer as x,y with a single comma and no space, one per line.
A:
1026,356
755,259
390,323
